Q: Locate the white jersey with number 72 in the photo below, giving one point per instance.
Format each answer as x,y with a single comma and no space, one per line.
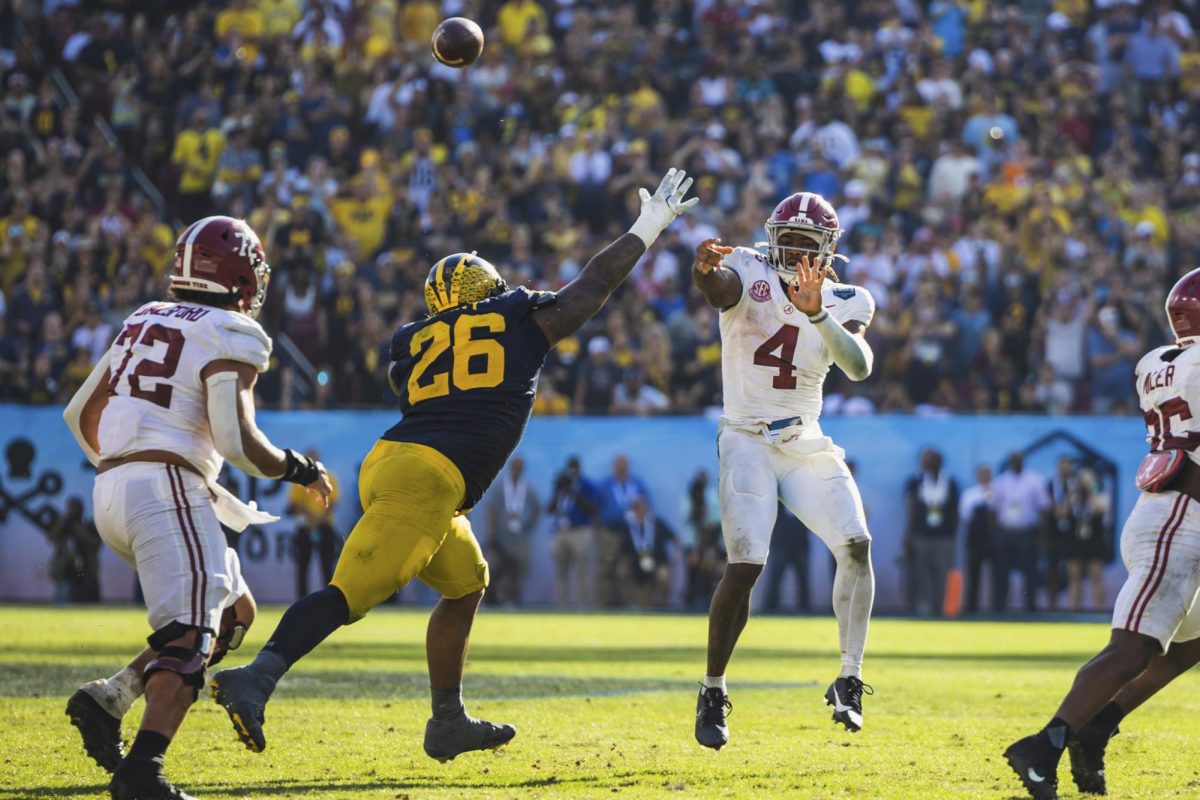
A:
156,398
773,362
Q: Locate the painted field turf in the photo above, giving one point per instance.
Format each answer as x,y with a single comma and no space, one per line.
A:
604,707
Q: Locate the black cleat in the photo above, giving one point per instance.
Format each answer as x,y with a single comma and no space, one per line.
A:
445,739
1035,761
712,707
101,731
243,693
1086,748
845,695
142,779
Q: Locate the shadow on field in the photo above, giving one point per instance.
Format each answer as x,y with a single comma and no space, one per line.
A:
318,788
48,679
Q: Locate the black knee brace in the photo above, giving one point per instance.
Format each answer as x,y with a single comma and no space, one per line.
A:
190,663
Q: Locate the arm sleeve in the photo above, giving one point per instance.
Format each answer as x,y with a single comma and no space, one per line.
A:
223,422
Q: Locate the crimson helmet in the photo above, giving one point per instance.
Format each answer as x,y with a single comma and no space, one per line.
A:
1183,308
808,214
222,255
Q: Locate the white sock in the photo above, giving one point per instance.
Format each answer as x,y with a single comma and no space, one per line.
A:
853,597
714,683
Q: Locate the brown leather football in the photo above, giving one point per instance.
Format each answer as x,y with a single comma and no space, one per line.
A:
457,42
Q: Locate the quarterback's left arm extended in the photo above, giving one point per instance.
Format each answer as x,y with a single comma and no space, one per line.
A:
847,345
82,413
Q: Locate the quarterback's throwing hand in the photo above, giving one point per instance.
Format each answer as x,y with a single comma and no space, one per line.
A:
709,255
805,293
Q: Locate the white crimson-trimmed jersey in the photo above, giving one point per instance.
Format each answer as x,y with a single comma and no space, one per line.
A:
156,395
773,361
1168,387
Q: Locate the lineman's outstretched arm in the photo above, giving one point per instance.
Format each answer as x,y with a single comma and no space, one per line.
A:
583,297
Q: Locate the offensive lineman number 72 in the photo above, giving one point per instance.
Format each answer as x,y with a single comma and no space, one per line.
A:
139,333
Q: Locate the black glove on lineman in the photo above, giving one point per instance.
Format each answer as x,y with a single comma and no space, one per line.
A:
300,468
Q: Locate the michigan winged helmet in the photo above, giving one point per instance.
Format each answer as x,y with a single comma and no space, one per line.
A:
461,279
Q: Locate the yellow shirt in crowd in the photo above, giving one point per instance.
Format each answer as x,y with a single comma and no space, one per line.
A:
196,154
279,17
514,19
247,23
418,20
363,221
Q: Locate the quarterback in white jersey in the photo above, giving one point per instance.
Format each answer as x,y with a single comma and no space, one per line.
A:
784,321
158,417
1156,619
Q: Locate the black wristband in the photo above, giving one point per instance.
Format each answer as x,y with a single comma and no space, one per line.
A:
819,317
300,468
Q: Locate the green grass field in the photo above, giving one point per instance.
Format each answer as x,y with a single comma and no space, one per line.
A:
604,706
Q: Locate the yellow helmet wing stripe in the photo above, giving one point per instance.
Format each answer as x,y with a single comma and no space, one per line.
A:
455,284
437,285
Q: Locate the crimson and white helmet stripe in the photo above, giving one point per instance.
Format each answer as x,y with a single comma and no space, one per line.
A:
191,235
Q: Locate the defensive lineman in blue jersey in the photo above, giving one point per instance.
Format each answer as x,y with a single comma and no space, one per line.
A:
466,378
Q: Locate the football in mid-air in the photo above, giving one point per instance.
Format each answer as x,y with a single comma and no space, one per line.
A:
457,42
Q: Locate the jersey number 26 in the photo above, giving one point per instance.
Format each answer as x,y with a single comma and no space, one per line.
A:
486,355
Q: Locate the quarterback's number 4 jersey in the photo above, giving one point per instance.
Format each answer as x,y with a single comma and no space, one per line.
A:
773,362
156,395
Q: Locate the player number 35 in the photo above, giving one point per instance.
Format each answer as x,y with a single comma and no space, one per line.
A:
477,363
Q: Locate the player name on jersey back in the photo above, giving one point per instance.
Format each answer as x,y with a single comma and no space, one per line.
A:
773,361
1168,387
157,399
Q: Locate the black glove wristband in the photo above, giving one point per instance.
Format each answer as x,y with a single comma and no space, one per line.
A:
300,468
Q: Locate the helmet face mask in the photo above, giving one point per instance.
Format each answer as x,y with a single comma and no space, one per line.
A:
802,224
461,279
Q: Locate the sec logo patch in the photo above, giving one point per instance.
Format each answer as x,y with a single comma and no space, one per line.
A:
760,291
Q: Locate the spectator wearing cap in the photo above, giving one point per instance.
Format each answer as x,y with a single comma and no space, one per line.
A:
575,504
598,378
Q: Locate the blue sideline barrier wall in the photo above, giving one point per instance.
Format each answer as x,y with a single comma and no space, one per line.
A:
42,467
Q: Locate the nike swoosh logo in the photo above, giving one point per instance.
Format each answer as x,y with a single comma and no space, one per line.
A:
1033,776
837,703
831,306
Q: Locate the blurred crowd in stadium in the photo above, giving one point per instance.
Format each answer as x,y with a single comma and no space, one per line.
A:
1019,182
